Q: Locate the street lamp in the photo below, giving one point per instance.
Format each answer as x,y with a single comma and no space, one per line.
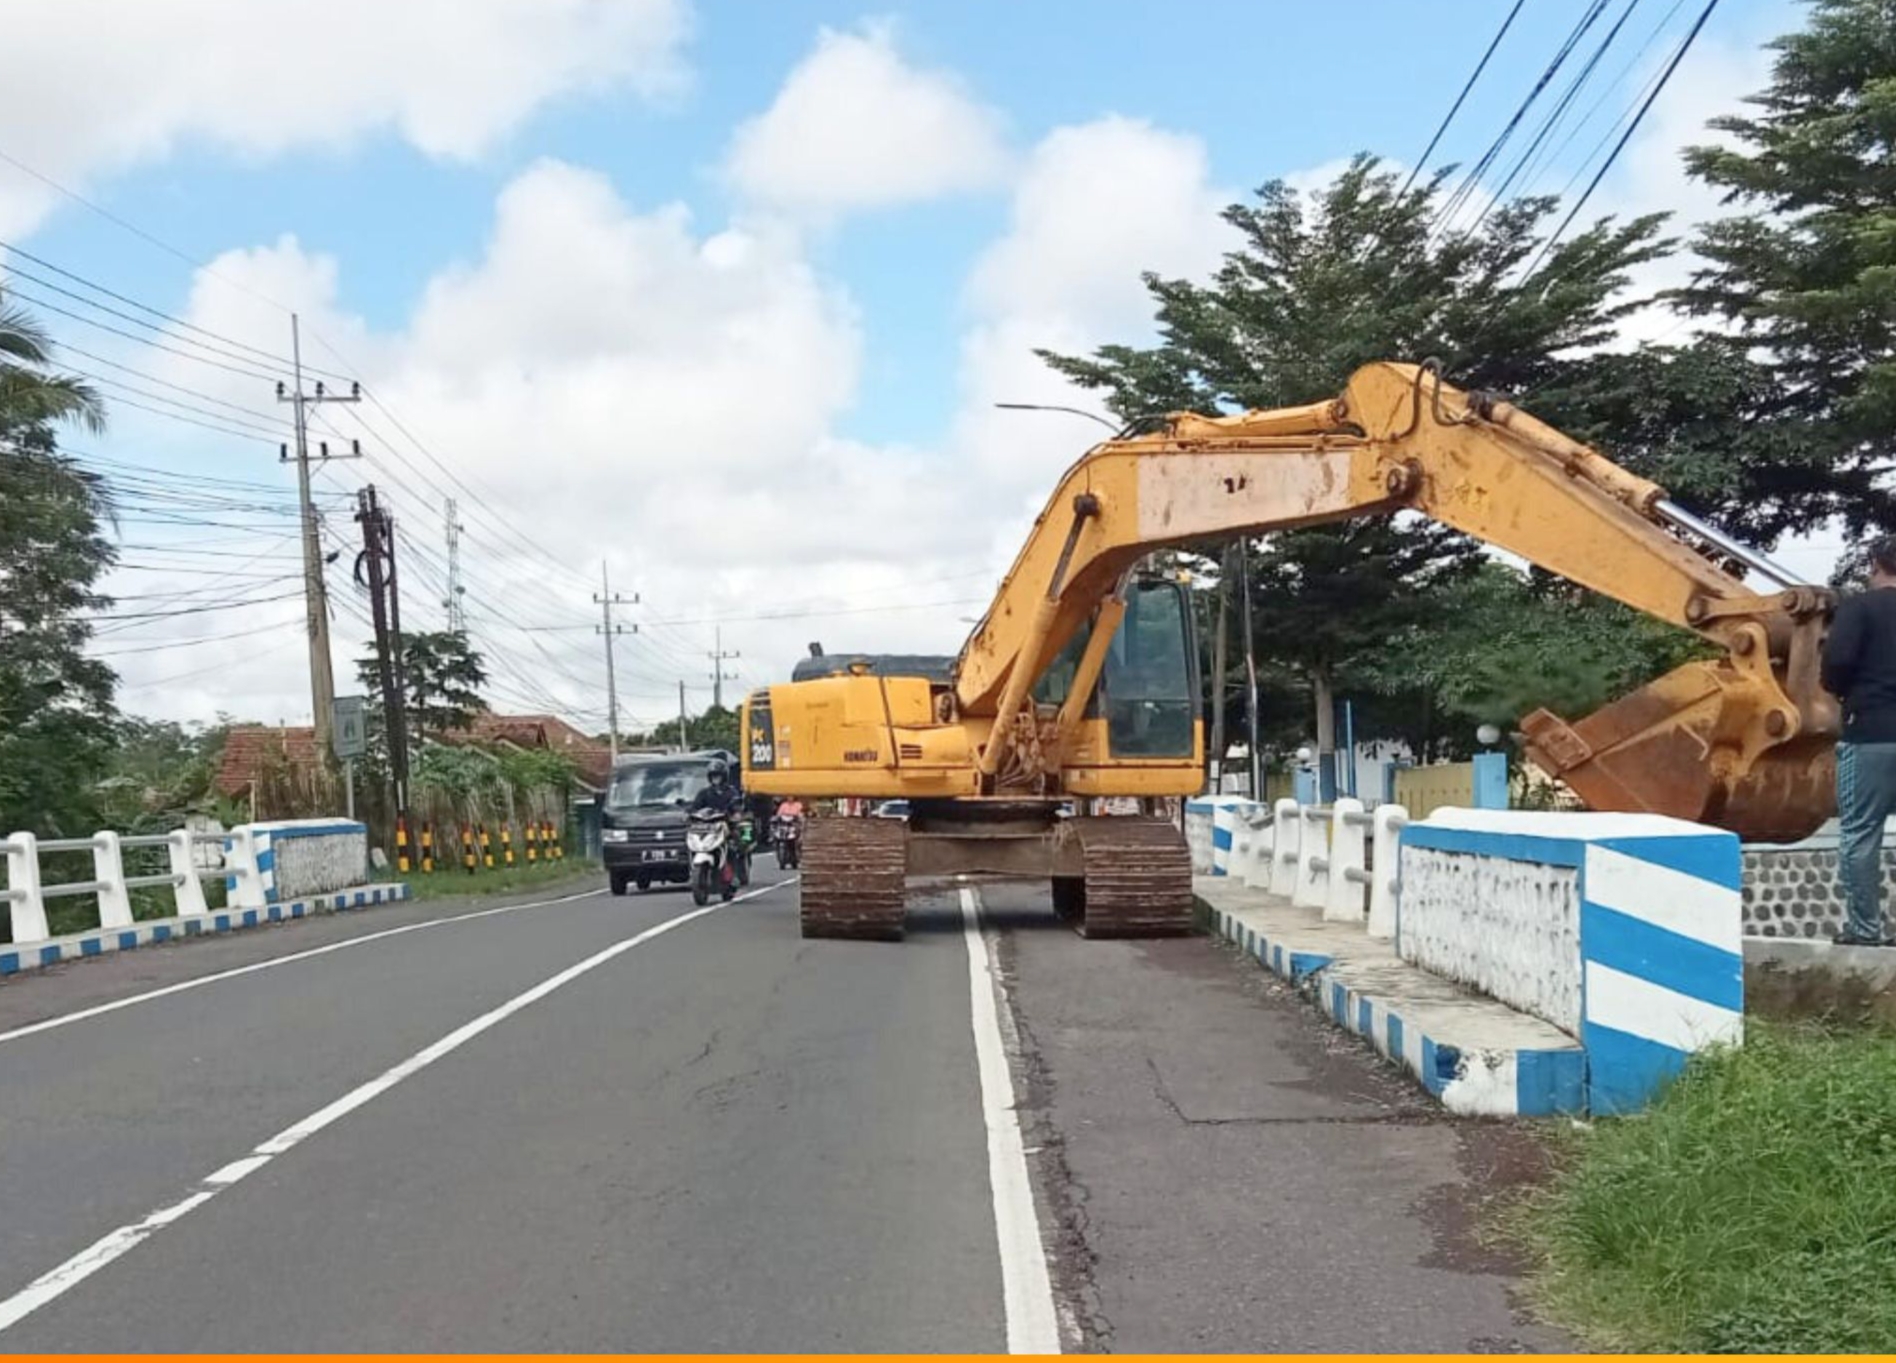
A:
1487,735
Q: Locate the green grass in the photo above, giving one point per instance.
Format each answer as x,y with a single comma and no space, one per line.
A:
446,882
1752,1209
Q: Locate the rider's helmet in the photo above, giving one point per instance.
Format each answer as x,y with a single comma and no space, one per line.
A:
718,772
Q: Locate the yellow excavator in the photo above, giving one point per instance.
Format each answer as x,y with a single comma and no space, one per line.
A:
1081,680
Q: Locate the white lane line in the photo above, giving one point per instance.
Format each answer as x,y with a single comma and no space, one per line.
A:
1026,1290
57,1282
67,1019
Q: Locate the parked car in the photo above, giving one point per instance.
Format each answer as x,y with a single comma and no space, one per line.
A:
891,809
642,816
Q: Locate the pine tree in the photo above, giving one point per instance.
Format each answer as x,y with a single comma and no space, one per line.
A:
1807,275
1361,271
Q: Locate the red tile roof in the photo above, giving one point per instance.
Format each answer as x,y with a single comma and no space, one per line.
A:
250,747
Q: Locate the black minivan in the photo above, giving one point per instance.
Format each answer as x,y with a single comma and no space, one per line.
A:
642,815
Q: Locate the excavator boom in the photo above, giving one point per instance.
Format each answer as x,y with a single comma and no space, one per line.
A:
1080,679
1744,741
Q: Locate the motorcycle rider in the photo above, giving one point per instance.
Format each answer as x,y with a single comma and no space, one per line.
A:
720,794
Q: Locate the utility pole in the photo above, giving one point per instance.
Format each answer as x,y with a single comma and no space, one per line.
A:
719,676
457,611
684,725
322,680
1219,665
377,564
1250,671
606,601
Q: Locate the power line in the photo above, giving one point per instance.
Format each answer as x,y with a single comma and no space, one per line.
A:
1557,114
96,287
1666,75
1455,108
42,304
13,271
133,228
1465,190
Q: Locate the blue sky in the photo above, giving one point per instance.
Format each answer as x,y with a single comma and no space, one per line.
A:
1254,90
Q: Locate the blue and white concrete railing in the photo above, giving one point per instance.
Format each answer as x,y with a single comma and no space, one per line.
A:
26,891
260,864
1341,858
1623,930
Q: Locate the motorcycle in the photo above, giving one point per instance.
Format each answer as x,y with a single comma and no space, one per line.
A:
708,841
786,840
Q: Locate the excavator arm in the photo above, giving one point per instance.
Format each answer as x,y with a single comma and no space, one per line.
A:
1745,740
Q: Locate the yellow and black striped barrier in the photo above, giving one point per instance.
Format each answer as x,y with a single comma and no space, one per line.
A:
401,843
533,843
427,847
487,849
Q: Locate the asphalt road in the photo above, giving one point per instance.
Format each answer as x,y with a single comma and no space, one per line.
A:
446,1127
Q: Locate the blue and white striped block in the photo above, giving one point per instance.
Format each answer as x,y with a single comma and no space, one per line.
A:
325,854
1216,819
1656,968
99,941
1477,1080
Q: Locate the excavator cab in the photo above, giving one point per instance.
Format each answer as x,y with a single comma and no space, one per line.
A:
1148,690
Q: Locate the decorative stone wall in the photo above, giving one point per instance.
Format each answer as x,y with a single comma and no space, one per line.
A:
1510,929
1655,963
1794,891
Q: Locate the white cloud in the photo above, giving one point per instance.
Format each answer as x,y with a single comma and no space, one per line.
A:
1096,205
618,382
857,126
449,76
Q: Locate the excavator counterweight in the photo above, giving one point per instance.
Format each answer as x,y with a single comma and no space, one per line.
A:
1079,685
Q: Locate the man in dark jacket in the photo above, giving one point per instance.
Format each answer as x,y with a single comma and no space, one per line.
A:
1860,670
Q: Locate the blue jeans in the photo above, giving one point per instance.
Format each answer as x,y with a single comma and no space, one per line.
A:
1866,796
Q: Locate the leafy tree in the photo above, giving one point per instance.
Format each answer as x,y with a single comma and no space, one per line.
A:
1505,643
1807,276
160,771
1320,285
716,727
56,704
444,675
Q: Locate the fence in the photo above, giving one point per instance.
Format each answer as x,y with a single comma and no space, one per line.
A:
1623,931
26,893
1319,857
423,846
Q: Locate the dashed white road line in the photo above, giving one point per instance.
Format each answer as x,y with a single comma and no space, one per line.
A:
1026,1289
57,1282
131,1000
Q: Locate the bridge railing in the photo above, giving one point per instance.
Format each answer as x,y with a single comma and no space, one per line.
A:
27,891
1340,858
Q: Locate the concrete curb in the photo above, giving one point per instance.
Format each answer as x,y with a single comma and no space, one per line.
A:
99,941
1467,1077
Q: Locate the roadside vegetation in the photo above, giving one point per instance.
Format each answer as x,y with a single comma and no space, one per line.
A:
1751,1210
446,882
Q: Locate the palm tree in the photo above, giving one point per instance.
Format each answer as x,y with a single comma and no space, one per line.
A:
29,394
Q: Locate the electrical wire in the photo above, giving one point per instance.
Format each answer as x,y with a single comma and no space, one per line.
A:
1455,108
1665,76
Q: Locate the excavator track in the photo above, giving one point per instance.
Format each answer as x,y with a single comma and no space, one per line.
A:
853,877
1137,881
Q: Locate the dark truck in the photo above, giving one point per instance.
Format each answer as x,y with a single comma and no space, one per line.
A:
642,816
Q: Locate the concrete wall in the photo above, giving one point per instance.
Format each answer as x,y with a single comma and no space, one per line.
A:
299,857
1794,891
1508,927
1655,970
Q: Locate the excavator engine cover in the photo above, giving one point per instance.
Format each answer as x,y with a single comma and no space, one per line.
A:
1666,749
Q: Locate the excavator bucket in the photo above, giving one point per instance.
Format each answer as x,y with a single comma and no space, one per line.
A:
1677,746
